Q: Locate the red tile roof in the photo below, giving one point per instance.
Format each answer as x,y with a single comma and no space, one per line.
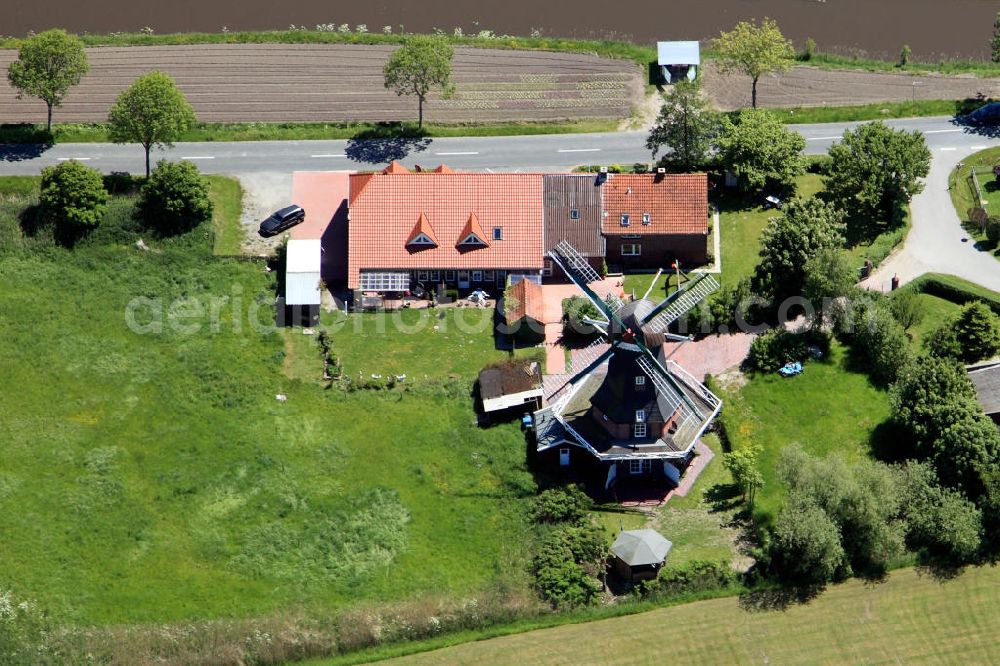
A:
528,302
384,207
423,226
444,169
395,167
675,203
471,228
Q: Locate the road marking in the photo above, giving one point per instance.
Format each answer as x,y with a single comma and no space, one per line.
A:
199,157
331,155
944,131
978,148
67,159
945,149
578,150
824,138
468,152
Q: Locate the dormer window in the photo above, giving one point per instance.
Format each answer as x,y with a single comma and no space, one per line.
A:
421,239
640,416
574,214
640,380
625,220
497,233
646,218
472,235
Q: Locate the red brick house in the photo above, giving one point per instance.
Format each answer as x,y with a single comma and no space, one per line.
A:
651,219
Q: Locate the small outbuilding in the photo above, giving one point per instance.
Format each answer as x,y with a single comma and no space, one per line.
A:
523,308
678,60
639,554
511,385
986,379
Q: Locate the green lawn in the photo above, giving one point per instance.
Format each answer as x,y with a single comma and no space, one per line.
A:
694,524
98,132
936,311
963,194
829,408
153,476
227,198
910,618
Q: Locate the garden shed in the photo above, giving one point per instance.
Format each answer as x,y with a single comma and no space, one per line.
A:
678,60
510,385
639,554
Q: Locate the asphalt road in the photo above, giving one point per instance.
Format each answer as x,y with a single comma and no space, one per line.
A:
523,153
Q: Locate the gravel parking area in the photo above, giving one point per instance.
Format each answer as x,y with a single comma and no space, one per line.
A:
342,82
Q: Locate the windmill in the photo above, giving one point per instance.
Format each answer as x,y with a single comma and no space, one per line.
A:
630,405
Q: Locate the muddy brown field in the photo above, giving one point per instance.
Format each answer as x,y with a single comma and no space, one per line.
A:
809,86
287,83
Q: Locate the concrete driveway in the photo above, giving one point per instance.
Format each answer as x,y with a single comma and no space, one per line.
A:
935,243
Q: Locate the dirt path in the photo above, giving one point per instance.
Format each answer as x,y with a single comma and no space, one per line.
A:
341,82
810,86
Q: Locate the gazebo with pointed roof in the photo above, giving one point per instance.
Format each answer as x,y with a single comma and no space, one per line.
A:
639,554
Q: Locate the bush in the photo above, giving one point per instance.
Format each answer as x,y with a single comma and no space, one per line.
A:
575,310
943,343
778,346
993,230
73,197
560,505
561,565
906,308
880,341
690,578
978,216
175,198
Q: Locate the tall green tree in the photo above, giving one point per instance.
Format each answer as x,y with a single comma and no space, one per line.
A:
805,545
48,65
924,387
995,42
760,150
978,332
743,466
420,65
754,50
875,171
804,228
151,112
684,129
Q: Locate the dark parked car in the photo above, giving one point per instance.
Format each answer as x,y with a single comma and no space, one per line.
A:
281,220
988,114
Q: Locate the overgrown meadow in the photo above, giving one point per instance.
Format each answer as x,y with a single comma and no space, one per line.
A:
156,478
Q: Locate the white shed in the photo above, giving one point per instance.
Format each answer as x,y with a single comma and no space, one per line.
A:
302,272
678,60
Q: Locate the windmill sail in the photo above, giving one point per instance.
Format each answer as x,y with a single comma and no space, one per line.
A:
678,304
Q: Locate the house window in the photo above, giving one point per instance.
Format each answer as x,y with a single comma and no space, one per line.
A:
422,276
547,270
488,276
640,380
435,276
640,430
625,219
574,214
631,249
639,466
477,276
497,233
646,218
449,276
640,416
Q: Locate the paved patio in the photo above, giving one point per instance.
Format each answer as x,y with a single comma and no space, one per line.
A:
552,297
